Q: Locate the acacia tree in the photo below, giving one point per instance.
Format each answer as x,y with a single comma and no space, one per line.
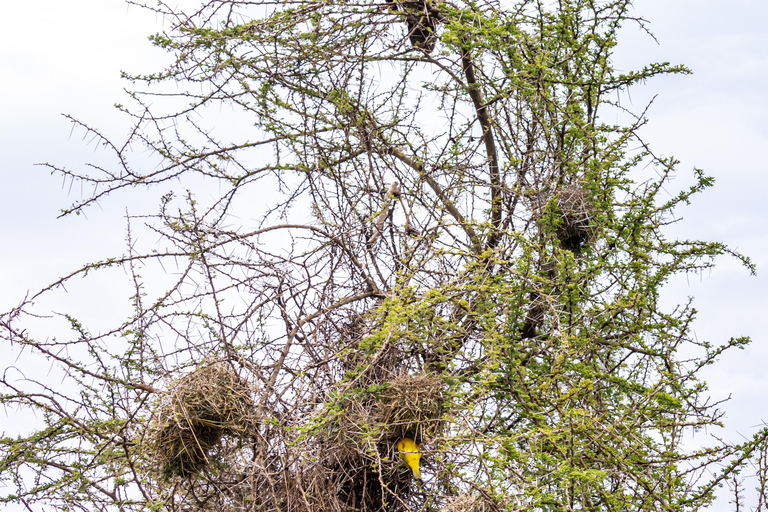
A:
413,223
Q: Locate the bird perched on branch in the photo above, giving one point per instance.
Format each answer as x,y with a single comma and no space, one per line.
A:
410,452
392,193
421,19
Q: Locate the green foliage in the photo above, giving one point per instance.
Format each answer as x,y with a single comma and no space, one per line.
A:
451,245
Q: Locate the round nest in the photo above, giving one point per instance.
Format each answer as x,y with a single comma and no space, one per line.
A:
410,404
407,405
463,503
358,447
197,411
575,211
367,365
476,502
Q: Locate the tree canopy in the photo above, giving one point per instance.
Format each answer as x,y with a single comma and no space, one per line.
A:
403,219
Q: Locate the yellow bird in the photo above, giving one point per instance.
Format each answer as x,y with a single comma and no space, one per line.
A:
410,452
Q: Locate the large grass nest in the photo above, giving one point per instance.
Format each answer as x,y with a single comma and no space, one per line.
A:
358,446
195,414
411,404
407,405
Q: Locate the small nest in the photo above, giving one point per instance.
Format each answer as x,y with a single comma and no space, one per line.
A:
368,367
470,502
463,503
198,410
575,228
422,21
535,316
355,360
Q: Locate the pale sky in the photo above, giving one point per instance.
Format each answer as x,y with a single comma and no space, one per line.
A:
66,56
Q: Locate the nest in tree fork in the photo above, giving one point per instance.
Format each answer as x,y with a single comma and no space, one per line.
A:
196,412
406,406
410,405
359,447
575,226
422,19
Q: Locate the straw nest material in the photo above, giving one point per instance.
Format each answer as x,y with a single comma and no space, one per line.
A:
471,502
408,405
575,223
411,404
362,363
196,413
358,447
463,503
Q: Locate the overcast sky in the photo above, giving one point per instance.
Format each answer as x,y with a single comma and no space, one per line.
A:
66,57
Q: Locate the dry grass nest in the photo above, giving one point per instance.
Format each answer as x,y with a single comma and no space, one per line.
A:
576,225
196,412
463,503
407,405
471,502
358,448
411,404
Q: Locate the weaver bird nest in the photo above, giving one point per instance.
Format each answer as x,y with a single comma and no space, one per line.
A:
574,217
197,412
473,502
408,405
358,446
